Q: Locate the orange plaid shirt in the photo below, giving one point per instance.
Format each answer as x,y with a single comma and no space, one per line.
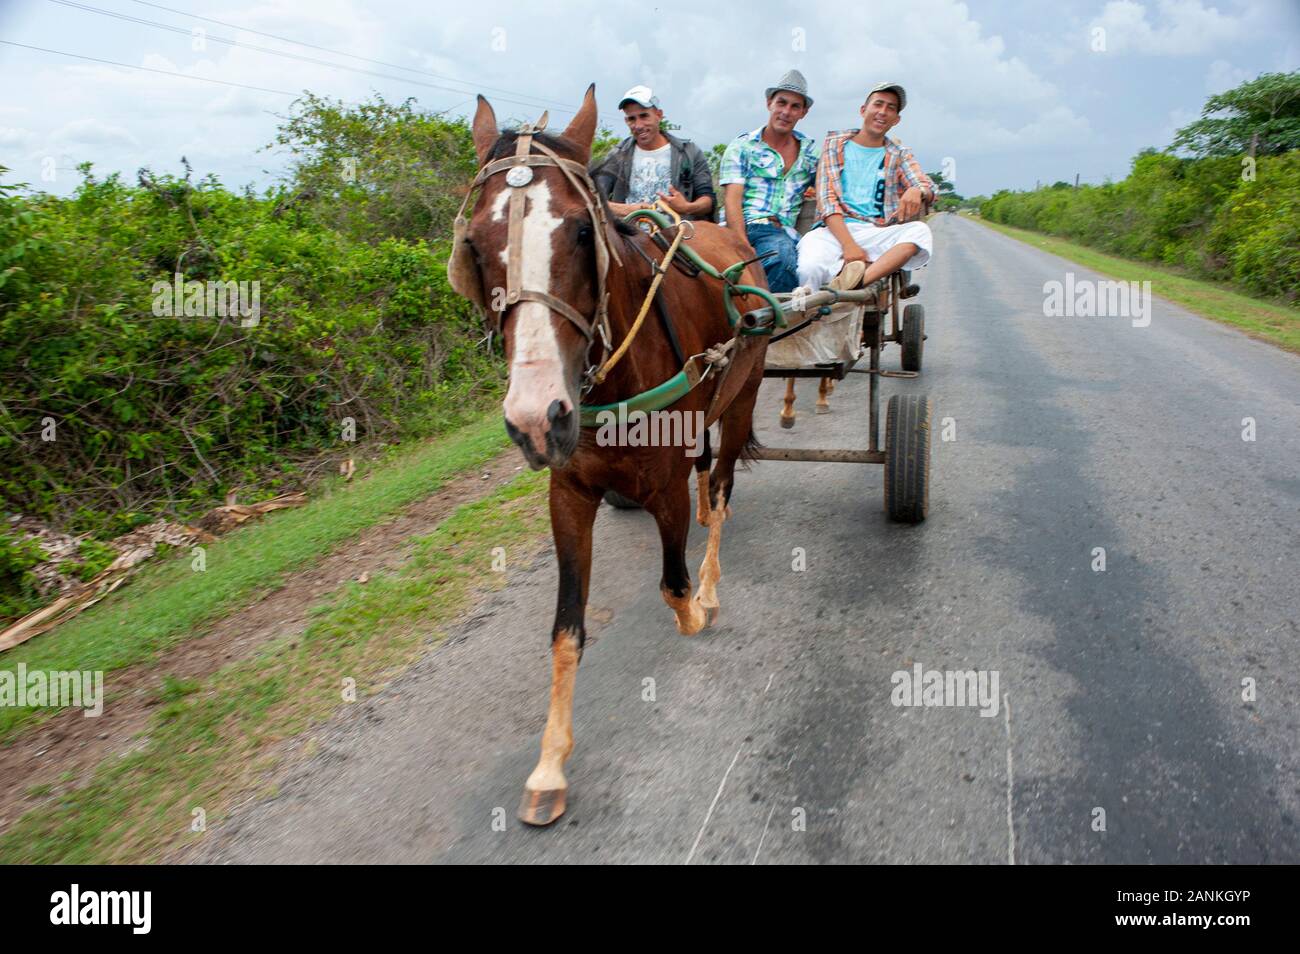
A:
902,171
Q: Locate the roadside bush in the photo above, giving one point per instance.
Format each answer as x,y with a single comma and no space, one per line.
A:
1198,214
18,591
112,414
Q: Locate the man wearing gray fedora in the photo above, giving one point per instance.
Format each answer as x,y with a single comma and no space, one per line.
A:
763,176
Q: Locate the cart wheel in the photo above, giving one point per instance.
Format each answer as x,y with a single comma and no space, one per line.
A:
913,336
907,457
619,502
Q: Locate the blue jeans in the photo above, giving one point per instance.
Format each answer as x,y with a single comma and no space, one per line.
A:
781,267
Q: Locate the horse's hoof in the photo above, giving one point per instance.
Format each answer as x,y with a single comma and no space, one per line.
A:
787,422
696,620
822,410
542,808
709,607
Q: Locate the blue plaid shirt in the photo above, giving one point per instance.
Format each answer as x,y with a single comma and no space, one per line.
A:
770,189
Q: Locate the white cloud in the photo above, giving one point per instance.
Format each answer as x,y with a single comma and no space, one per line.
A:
972,93
14,138
1224,76
709,69
92,132
1183,28
1177,119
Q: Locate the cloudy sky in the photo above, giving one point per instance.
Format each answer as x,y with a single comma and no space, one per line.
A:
1008,93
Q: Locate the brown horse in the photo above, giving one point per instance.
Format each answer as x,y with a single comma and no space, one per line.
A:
552,263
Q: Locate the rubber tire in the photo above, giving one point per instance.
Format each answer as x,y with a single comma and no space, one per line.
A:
619,502
913,337
907,457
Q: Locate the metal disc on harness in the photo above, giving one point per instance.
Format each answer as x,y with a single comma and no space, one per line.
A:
462,268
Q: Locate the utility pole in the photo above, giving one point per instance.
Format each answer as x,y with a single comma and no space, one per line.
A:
1076,182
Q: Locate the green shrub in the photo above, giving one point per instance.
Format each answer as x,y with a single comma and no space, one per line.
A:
94,559
111,414
18,595
1203,215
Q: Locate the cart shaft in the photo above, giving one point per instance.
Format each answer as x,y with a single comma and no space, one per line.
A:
817,455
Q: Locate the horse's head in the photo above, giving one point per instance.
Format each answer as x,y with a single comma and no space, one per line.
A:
540,247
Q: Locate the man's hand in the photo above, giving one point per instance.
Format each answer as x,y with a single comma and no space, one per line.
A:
909,206
622,209
675,200
853,252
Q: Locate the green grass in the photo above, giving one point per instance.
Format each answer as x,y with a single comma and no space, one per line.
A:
1275,323
212,740
170,602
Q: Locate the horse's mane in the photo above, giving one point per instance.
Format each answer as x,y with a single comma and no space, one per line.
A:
505,146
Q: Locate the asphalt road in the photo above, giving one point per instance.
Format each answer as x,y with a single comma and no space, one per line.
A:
772,737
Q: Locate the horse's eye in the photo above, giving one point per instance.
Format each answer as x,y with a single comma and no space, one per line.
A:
584,234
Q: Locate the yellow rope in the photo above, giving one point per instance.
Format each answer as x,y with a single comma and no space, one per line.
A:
650,295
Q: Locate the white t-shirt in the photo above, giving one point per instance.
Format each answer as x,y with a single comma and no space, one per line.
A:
651,173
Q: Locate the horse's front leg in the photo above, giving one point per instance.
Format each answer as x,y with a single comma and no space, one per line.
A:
671,509
572,513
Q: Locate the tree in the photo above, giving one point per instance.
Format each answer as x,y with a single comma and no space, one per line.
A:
946,198
375,169
1265,112
941,183
605,140
715,159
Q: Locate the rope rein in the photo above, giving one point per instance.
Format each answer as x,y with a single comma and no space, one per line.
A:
660,270
466,279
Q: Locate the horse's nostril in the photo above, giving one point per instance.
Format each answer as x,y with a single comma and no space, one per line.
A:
556,411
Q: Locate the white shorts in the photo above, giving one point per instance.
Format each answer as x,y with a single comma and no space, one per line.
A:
821,258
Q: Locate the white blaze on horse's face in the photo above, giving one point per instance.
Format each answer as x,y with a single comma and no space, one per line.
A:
538,377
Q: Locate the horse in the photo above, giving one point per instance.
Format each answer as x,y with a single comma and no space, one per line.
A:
566,279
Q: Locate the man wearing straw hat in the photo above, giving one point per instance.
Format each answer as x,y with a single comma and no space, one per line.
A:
763,176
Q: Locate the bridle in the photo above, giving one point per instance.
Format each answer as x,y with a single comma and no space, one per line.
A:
463,272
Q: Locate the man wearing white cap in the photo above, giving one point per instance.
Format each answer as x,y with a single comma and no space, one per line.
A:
651,164
869,189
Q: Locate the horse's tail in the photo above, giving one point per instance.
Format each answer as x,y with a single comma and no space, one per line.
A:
749,450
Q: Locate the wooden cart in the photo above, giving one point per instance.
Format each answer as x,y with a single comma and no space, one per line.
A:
905,453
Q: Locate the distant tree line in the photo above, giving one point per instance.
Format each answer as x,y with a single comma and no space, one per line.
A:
1221,201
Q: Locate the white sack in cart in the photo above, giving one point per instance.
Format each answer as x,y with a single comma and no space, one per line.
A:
837,337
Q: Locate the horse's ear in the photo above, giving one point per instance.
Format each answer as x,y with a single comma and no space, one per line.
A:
485,129
582,129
